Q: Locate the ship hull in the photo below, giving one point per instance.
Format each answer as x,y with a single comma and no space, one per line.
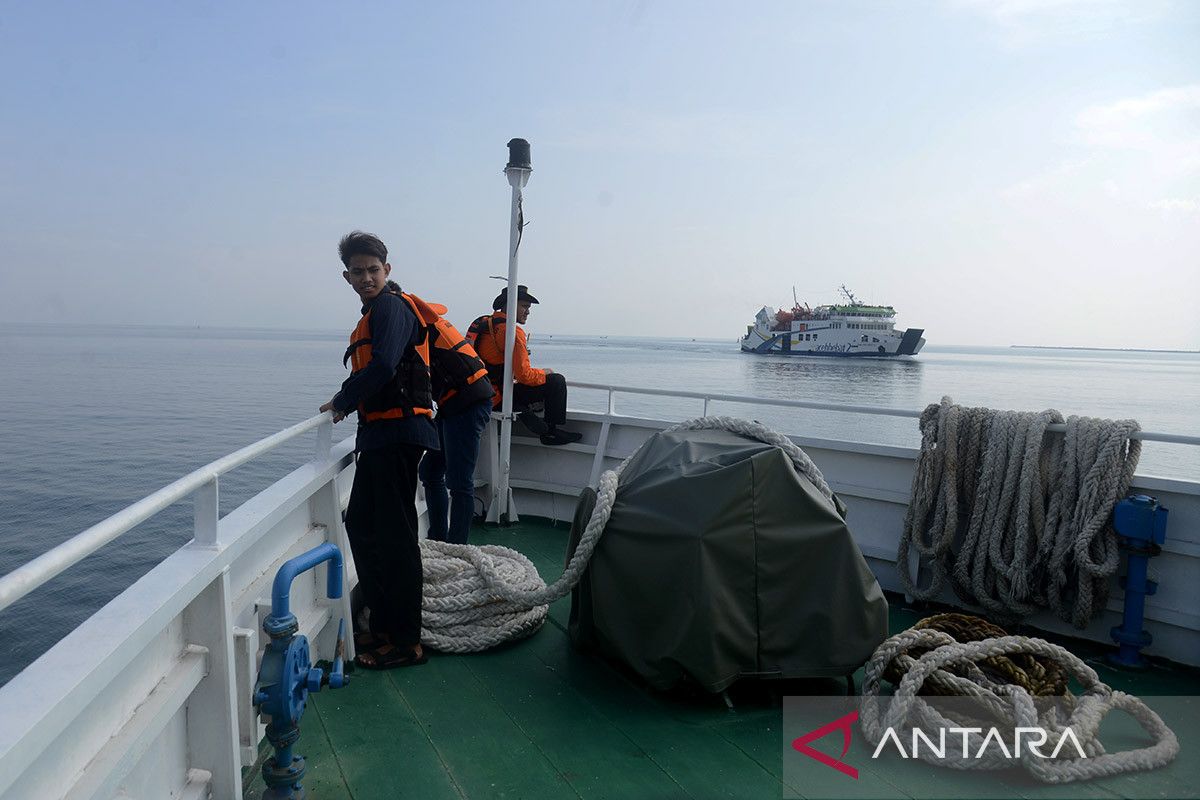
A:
793,343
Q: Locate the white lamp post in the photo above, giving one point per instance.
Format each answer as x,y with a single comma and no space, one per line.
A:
517,171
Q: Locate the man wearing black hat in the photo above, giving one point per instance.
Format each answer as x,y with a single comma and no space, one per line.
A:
529,385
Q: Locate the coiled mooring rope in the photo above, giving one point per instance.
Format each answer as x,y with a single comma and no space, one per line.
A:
1041,677
1030,514
955,668
478,597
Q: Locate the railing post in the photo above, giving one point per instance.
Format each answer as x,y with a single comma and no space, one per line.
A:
612,403
601,450
211,713
705,414
492,435
324,439
206,513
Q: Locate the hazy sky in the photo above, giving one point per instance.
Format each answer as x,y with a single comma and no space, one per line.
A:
1020,171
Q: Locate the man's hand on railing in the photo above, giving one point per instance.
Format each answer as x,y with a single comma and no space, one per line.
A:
337,415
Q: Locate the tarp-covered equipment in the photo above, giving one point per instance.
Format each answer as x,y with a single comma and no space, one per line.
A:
722,560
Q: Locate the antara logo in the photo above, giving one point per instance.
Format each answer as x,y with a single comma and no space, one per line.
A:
844,724
1032,739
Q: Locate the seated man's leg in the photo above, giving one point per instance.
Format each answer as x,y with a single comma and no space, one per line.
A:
554,393
556,399
433,478
460,440
523,397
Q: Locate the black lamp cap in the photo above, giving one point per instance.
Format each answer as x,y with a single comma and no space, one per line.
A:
518,154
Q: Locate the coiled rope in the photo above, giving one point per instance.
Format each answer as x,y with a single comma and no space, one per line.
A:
476,597
1041,677
955,668
1013,519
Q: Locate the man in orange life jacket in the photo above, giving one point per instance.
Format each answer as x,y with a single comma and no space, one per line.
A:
529,385
464,406
390,388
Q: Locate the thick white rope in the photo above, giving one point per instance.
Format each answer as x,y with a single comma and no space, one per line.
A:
1036,509
478,597
1010,703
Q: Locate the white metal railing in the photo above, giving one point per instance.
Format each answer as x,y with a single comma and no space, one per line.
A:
707,397
168,665
204,483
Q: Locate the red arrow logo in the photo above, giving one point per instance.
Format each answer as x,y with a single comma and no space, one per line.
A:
844,723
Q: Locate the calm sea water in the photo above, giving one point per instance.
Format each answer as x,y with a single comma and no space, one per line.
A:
94,418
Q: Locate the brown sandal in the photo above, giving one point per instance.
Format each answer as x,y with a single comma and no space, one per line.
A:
389,656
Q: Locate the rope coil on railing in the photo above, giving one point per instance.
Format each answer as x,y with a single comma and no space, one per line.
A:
478,597
1015,520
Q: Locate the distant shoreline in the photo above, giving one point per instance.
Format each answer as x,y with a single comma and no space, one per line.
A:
1100,349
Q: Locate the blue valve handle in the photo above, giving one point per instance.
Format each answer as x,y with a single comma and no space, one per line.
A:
337,678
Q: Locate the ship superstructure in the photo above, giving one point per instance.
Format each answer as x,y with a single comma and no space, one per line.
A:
853,328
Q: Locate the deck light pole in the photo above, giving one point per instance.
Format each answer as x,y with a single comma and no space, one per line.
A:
517,171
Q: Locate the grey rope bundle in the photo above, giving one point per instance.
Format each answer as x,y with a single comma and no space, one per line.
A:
478,597
1011,703
1015,520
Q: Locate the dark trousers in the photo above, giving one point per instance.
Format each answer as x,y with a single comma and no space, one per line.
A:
381,523
553,393
454,468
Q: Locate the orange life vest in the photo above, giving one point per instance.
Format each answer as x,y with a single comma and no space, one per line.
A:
457,369
486,326
409,392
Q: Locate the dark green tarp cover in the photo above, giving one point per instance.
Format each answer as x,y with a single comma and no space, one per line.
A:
722,561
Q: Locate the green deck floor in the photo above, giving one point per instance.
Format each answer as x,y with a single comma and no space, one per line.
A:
535,719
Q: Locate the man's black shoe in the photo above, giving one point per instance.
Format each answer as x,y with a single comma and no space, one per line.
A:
560,437
533,422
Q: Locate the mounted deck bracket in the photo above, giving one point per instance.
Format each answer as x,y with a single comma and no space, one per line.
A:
1141,525
287,675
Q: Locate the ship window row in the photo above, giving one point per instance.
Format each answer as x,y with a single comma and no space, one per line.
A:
866,327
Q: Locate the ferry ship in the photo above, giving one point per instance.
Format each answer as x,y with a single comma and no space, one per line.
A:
853,329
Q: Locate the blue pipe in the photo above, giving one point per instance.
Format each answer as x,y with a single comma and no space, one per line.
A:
301,563
286,675
1141,526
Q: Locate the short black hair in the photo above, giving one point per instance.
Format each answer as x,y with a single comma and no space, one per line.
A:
358,243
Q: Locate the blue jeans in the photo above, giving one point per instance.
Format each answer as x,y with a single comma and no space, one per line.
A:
454,468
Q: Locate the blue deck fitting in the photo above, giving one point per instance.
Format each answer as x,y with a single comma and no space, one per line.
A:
1141,525
287,675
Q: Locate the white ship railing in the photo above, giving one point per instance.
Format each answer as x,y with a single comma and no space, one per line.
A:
204,483
708,397
154,689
